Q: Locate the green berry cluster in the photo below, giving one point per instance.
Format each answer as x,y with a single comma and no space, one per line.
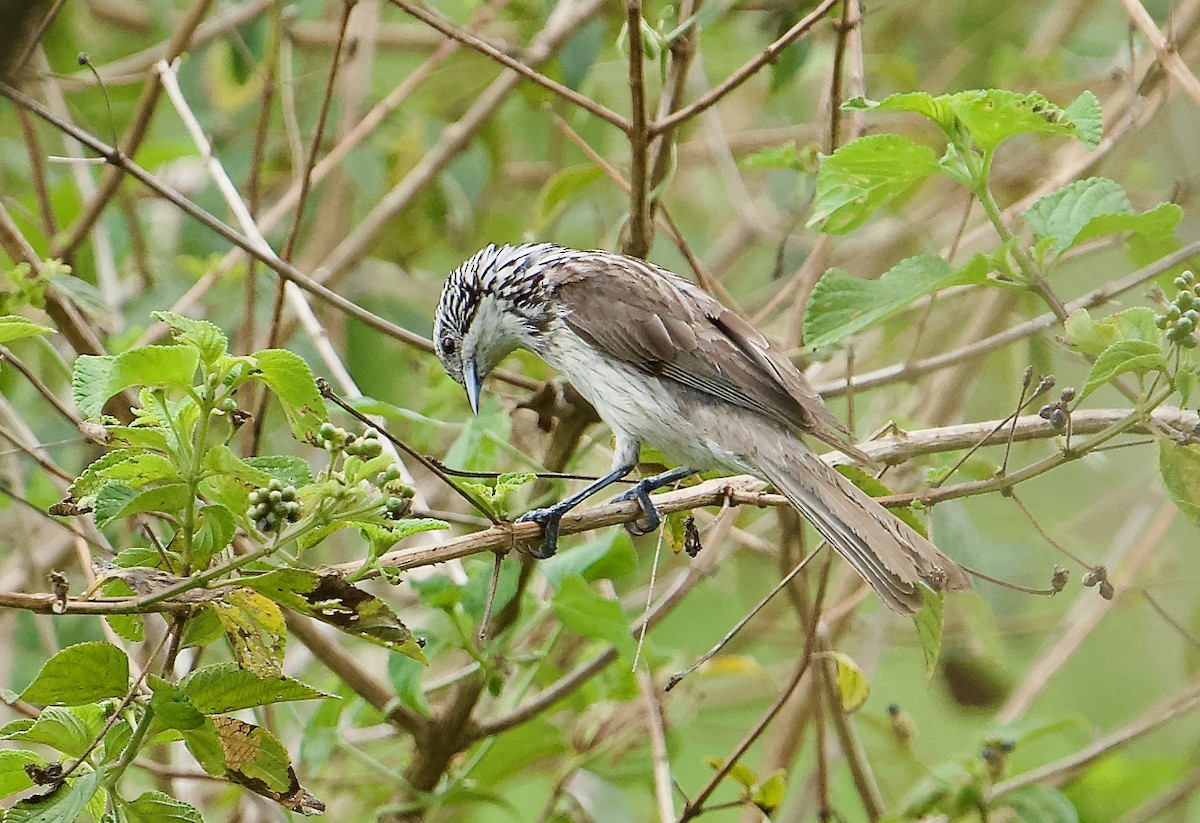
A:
336,439
1183,315
397,494
273,505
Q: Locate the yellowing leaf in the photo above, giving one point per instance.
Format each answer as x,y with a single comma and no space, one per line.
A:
852,685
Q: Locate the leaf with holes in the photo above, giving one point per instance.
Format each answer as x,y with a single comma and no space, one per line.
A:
330,599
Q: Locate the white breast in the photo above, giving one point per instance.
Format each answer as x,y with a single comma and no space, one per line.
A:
640,408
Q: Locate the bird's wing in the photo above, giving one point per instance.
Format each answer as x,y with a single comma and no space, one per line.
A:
643,315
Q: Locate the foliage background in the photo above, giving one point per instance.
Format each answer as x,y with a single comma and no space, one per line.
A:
432,182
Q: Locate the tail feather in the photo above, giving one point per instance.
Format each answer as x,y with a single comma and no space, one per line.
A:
888,553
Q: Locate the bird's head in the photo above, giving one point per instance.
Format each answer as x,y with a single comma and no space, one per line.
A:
493,304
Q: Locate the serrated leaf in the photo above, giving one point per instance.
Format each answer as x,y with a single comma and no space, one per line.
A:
96,378
225,687
172,707
63,805
841,304
70,729
864,175
586,613
330,599
1087,335
288,468
156,807
206,337
222,460
83,673
14,327
929,626
255,627
852,685
118,500
559,189
13,777
214,531
1179,467
993,115
1092,208
292,382
1123,357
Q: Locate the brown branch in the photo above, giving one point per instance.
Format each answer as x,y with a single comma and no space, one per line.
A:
639,232
1096,297
768,55
140,125
467,39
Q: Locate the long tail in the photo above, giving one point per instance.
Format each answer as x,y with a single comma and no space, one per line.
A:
889,554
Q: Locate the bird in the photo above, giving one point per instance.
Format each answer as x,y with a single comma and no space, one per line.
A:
667,365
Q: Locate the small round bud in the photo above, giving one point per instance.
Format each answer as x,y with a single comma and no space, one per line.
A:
275,496
1068,394
1187,277
275,484
1093,576
1173,312
326,432
1058,418
1106,590
370,448
263,525
1045,411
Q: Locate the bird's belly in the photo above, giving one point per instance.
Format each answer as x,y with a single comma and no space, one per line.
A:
647,409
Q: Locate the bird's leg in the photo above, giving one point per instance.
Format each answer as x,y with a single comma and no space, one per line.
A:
641,493
550,516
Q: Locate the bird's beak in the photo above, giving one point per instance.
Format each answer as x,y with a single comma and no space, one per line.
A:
471,384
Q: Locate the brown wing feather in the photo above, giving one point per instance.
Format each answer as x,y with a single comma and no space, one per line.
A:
661,323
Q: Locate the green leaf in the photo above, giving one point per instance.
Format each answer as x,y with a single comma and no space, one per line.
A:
1122,357
285,467
292,382
221,459
864,175
1087,335
611,556
14,327
330,599
206,337
852,685
929,626
63,805
172,707
769,794
559,189
70,729
83,673
1091,208
841,304
224,688
994,115
1039,803
97,378
118,500
778,157
215,526
1179,466
13,777
991,116
156,807
405,675
586,613
495,496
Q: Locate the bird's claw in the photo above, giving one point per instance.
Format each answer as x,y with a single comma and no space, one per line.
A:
548,519
650,520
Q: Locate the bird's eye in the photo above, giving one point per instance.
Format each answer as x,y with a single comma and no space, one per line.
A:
447,346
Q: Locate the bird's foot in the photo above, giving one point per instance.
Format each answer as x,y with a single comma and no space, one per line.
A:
650,519
548,518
